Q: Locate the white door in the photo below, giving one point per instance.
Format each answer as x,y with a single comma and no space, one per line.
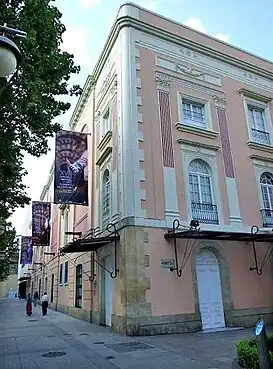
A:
108,291
209,291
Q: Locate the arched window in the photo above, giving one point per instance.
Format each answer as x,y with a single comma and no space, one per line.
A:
266,182
201,195
106,198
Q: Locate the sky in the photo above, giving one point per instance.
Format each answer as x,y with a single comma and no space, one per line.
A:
242,23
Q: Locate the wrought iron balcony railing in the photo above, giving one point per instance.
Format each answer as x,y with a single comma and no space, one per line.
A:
267,218
261,137
204,213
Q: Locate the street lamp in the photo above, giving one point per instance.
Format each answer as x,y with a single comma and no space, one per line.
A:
10,55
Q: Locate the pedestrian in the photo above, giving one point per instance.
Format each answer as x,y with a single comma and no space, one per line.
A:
29,305
45,303
35,298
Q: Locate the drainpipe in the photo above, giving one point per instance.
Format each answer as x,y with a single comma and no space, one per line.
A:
57,280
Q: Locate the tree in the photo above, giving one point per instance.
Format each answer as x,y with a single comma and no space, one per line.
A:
29,105
10,249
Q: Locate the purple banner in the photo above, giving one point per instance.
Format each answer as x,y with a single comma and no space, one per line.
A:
26,250
41,223
71,168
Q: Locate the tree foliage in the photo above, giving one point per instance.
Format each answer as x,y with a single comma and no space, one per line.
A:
9,248
31,103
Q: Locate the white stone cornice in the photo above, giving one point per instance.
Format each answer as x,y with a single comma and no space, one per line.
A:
255,95
165,80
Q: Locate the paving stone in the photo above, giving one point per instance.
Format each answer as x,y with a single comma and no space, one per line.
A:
24,342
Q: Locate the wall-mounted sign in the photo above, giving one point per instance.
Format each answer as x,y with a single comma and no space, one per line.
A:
167,263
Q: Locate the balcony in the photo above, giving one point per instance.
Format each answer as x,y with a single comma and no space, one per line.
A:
204,213
261,137
267,218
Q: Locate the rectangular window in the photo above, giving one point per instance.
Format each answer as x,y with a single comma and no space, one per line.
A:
66,272
106,125
258,124
193,113
61,274
78,297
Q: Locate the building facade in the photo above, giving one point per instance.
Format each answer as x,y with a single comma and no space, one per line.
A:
180,211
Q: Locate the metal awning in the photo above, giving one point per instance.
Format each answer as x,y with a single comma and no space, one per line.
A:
196,234
219,236
88,244
23,279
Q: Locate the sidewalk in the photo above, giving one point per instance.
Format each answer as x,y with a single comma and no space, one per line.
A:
79,345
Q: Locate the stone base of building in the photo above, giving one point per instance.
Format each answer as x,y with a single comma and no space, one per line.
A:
153,325
248,317
168,324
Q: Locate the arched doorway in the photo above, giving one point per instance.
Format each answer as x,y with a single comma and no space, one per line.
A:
209,290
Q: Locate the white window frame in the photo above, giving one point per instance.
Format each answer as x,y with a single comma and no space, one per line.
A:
61,274
105,123
102,194
203,175
189,153
207,111
66,263
267,117
213,203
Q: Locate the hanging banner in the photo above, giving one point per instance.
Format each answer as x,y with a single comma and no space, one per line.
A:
41,223
26,250
71,168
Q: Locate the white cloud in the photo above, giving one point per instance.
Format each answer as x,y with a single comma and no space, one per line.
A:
149,4
75,41
222,37
196,24
89,3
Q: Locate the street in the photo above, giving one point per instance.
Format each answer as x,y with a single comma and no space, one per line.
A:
60,341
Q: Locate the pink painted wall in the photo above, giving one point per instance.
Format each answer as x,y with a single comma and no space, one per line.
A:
153,165
190,34
170,295
247,185
151,132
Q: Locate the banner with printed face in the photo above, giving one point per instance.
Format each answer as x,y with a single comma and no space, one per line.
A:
41,223
26,250
71,168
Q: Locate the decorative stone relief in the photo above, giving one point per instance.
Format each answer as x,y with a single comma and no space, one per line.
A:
161,83
188,52
113,88
188,70
97,116
250,76
164,81
219,101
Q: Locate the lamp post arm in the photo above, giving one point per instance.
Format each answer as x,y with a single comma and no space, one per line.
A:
12,31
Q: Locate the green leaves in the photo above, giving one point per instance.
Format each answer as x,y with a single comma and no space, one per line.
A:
10,249
30,104
247,352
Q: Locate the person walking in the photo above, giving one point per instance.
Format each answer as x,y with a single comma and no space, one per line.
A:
29,305
35,298
45,303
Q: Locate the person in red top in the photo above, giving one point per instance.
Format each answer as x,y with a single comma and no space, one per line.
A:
29,305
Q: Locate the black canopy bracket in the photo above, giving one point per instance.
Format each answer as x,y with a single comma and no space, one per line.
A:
176,225
112,229
93,275
259,271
